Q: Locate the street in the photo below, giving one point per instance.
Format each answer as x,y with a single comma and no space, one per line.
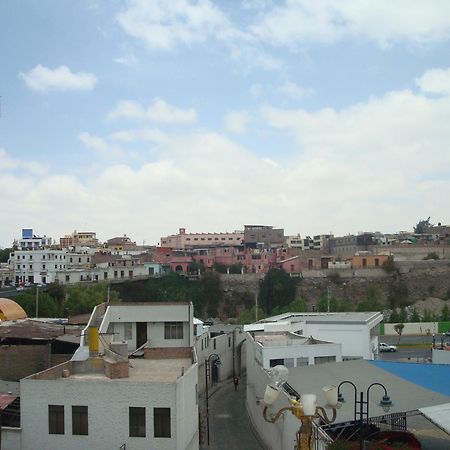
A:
228,421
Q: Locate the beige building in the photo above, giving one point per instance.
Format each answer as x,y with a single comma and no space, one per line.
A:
183,240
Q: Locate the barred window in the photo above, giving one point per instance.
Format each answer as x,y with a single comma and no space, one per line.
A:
80,420
137,421
161,422
173,330
56,419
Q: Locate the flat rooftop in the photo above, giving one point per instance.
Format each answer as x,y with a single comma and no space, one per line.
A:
164,370
346,317
285,338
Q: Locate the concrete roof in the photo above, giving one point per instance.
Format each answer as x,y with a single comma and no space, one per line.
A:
285,338
322,317
10,310
406,396
143,370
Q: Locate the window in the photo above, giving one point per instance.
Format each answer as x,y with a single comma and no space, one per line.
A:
137,421
214,344
161,422
276,362
80,420
128,330
55,419
67,278
302,361
377,262
43,266
173,330
324,359
229,341
364,262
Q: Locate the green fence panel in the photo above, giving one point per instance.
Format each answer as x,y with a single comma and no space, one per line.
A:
443,327
381,329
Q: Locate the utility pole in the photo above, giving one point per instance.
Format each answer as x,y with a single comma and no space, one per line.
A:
256,307
37,302
328,298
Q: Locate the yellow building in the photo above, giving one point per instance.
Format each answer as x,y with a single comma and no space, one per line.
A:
10,310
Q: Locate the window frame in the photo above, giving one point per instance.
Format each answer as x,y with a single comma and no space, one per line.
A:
137,421
173,330
80,420
56,419
162,423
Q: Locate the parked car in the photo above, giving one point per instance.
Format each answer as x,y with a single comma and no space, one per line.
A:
447,333
387,348
20,288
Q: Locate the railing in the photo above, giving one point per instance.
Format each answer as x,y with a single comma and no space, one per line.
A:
291,391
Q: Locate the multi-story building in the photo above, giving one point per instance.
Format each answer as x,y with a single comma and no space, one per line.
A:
43,266
183,240
30,241
120,244
263,236
79,239
322,242
135,387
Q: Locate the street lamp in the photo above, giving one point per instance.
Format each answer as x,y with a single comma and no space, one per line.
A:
305,409
216,361
363,404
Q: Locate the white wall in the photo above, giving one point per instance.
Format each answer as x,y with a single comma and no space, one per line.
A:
299,351
108,402
419,328
355,339
11,438
441,356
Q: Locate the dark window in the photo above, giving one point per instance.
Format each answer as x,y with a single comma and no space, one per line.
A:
80,420
229,341
173,330
55,419
214,344
276,362
377,262
161,422
137,421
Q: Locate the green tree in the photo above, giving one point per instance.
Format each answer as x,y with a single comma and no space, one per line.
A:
373,300
47,306
394,317
431,255
276,289
82,299
415,316
399,330
445,315
422,226
427,317
218,267
4,254
211,286
249,316
298,305
403,315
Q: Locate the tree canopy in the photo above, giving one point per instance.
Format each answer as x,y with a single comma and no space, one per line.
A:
276,289
422,226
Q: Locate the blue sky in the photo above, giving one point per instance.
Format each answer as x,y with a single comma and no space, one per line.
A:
144,116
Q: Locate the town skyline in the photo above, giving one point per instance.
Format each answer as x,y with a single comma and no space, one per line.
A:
139,117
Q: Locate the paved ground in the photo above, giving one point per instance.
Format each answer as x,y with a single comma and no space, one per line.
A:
229,427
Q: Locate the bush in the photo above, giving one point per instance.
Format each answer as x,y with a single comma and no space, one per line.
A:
431,255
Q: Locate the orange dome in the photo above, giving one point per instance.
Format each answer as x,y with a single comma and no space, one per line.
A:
10,310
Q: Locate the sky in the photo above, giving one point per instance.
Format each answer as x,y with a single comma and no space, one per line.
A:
140,117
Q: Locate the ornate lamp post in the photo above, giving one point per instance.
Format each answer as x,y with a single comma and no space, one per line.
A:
362,405
305,409
216,361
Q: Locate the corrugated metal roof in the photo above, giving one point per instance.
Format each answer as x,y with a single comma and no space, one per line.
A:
6,400
439,415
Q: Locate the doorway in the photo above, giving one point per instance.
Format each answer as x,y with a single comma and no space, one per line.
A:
141,333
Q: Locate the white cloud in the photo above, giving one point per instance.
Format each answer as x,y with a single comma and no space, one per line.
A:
43,79
294,91
8,164
93,142
158,111
237,121
380,164
435,81
162,25
303,22
152,135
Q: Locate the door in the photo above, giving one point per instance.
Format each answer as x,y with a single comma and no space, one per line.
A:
141,333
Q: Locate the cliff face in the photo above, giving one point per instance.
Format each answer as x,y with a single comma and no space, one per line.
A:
411,282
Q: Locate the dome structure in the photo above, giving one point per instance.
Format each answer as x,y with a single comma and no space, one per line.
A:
10,310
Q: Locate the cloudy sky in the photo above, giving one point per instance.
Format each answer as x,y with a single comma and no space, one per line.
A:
144,116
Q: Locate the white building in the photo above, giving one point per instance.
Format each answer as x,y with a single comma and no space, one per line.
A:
135,387
43,266
357,332
291,350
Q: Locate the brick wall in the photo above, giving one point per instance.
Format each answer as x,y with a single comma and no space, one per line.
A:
19,361
167,352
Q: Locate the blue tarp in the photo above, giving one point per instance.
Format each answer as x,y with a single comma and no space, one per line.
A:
435,377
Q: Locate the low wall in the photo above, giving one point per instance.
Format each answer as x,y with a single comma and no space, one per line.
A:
19,361
441,356
415,328
11,438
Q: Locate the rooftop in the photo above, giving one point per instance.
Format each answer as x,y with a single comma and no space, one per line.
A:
349,317
285,338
